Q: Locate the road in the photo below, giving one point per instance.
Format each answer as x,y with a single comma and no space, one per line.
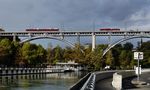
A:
145,77
104,84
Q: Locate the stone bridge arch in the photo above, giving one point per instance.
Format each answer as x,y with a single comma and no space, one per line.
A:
49,37
46,37
122,40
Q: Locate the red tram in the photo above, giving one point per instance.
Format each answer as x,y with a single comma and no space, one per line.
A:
110,29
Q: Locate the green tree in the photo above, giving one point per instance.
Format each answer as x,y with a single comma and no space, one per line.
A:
93,59
58,54
126,59
49,56
128,46
41,55
68,54
116,53
32,54
109,58
78,54
98,63
7,50
145,48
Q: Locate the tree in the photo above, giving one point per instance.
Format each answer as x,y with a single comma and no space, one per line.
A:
122,59
41,55
116,52
58,54
32,54
7,51
128,46
125,59
93,59
97,57
109,58
68,54
145,48
49,56
78,54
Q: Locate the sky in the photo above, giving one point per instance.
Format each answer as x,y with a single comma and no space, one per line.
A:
17,15
74,15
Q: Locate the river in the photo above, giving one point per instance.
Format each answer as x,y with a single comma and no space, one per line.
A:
52,81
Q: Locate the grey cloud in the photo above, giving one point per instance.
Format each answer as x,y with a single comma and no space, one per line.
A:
72,13
111,11
116,9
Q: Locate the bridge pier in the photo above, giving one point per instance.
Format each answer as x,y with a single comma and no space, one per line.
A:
93,41
14,38
29,35
62,37
109,40
78,40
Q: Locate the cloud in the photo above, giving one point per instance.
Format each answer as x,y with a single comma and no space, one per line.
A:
76,14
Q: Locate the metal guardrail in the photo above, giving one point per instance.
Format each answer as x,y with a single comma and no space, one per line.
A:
94,77
80,83
90,83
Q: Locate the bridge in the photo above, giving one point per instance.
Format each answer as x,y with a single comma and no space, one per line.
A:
61,36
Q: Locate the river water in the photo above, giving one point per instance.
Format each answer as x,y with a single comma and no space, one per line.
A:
53,81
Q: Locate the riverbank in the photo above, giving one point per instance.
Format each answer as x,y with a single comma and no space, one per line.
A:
24,71
49,81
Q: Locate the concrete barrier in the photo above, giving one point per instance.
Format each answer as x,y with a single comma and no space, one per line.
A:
117,81
119,76
145,70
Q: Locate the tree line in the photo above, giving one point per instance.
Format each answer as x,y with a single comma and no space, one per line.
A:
13,54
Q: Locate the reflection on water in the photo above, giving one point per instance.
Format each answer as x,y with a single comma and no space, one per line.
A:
53,81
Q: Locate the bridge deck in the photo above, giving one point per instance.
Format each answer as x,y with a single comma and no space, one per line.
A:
81,33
